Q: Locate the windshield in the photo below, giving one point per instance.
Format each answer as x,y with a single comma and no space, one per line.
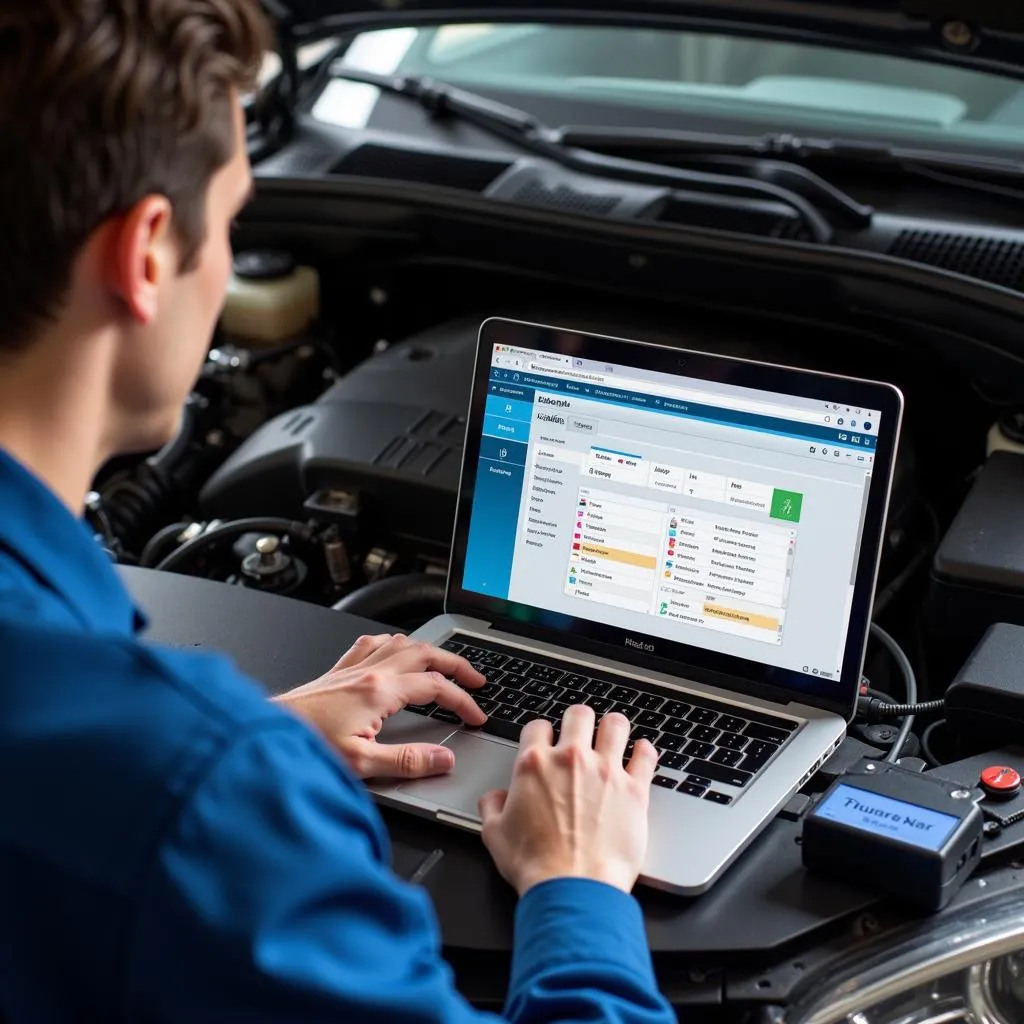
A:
744,85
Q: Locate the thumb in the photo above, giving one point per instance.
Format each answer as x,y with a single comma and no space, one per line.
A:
492,804
407,760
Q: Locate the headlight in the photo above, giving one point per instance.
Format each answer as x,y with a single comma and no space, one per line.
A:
967,970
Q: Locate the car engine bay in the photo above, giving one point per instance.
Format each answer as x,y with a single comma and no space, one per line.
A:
319,455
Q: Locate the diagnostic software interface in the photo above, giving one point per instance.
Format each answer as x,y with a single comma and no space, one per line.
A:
721,517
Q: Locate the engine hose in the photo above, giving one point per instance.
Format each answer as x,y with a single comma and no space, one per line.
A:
229,531
151,553
135,503
397,598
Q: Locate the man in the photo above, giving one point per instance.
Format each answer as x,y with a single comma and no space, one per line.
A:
174,847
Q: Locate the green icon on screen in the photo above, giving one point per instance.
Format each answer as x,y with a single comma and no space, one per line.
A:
786,505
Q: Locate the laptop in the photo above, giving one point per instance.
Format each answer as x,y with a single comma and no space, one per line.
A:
687,538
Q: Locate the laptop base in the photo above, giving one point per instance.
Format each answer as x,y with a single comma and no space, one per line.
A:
692,839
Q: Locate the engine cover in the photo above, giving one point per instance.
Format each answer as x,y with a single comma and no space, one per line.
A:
391,432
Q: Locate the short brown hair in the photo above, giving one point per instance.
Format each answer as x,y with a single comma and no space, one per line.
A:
103,102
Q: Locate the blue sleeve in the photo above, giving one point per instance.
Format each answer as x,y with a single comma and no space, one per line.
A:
270,900
581,954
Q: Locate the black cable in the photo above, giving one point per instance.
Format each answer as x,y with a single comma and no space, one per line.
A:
875,708
910,681
151,552
397,598
926,743
226,531
878,695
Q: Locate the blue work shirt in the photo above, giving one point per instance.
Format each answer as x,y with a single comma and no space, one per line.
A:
174,847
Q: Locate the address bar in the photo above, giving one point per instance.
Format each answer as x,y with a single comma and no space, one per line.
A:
683,394
557,371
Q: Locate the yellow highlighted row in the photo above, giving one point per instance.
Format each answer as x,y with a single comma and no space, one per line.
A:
618,555
743,618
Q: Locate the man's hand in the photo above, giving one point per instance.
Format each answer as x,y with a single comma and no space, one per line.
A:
378,677
572,810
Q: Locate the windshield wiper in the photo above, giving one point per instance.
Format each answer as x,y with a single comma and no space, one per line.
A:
528,132
769,158
778,156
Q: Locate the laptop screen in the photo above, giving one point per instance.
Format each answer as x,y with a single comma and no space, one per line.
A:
726,518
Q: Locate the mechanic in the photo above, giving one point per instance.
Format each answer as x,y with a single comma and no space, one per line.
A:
173,845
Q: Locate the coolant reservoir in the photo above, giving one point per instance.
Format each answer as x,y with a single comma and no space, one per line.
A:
270,298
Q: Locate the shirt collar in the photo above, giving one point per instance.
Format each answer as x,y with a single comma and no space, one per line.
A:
42,533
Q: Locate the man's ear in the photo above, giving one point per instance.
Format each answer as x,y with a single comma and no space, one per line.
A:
140,256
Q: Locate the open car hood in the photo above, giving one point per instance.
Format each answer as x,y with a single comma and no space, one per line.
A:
981,34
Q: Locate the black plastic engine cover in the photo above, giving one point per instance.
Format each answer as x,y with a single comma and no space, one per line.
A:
392,430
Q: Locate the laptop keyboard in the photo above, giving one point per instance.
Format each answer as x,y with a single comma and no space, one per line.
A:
706,749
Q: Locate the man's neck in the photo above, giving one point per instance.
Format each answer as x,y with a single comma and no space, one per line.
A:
52,414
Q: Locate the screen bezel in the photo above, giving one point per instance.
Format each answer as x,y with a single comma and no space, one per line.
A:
743,676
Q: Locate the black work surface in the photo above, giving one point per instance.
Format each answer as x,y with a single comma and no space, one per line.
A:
765,901
281,643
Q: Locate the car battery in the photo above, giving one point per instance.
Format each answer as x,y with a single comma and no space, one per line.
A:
977,575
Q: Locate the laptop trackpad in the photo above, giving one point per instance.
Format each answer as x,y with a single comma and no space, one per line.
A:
480,764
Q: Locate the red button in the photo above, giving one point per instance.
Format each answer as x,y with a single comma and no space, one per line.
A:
1001,781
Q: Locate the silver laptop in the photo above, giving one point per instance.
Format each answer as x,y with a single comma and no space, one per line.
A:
690,539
